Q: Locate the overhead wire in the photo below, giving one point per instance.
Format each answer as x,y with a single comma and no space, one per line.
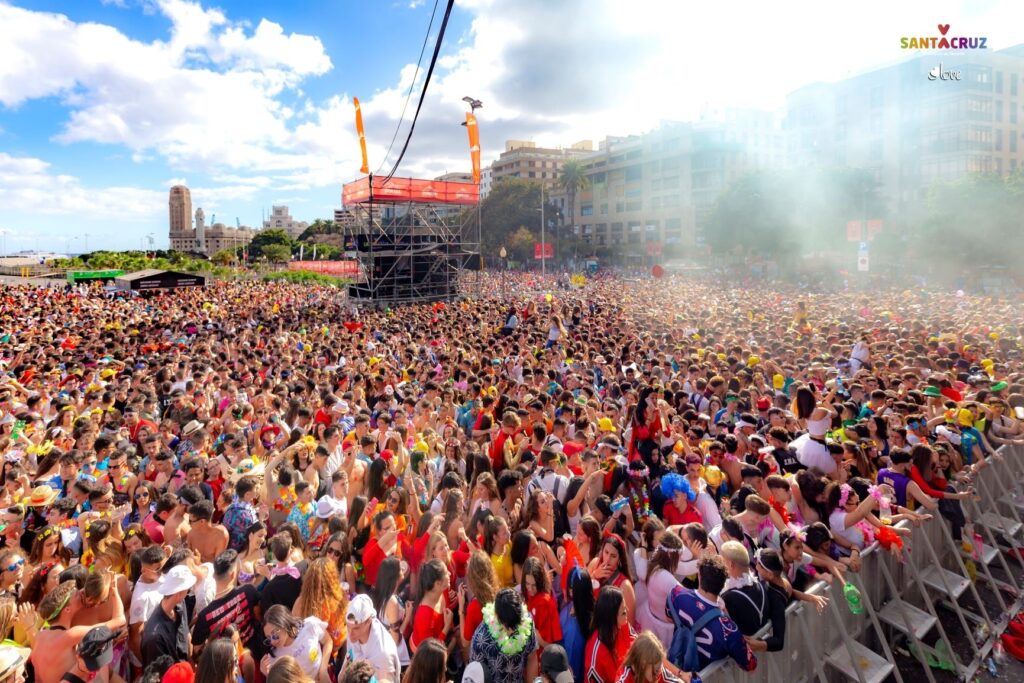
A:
408,95
426,84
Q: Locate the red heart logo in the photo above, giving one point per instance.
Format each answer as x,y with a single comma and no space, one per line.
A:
943,28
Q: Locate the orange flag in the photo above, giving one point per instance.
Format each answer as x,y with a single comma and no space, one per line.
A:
474,145
365,168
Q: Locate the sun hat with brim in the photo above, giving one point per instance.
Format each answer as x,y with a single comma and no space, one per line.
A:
191,428
178,579
932,391
11,657
41,496
247,468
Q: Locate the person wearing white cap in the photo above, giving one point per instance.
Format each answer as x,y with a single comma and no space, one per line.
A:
166,631
369,640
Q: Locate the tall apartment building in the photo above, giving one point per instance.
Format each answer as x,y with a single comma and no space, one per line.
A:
179,204
523,159
280,219
936,116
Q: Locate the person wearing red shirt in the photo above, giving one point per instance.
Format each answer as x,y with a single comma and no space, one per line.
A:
509,426
483,586
541,604
432,618
384,544
679,497
611,638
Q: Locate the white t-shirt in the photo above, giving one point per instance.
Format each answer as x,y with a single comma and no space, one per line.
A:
853,534
306,647
379,650
145,599
814,454
205,590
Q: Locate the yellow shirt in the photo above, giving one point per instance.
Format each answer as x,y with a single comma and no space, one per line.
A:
503,568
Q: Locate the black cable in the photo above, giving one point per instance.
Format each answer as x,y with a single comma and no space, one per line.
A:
408,96
426,82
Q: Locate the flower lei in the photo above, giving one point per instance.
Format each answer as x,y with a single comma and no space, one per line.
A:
515,643
844,494
286,498
641,502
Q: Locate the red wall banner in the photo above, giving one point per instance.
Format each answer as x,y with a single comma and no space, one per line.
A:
549,250
409,190
337,268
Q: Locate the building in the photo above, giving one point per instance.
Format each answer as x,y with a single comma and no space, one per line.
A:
345,218
523,159
180,207
202,239
649,196
935,117
486,180
280,219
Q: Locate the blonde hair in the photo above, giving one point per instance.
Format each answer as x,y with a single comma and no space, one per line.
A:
735,552
8,611
646,651
287,670
436,539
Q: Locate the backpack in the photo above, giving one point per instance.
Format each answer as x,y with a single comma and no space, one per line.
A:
560,514
683,651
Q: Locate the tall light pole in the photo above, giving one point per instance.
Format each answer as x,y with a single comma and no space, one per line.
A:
543,236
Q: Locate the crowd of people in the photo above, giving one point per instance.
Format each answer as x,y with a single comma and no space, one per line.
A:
619,481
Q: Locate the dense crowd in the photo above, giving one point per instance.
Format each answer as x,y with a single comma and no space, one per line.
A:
619,481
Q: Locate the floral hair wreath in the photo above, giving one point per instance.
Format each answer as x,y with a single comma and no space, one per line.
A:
639,473
844,494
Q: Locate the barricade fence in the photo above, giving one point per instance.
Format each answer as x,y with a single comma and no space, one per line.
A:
904,595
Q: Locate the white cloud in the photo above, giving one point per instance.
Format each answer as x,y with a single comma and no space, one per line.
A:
28,184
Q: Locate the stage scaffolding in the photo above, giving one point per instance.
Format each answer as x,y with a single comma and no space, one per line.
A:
413,238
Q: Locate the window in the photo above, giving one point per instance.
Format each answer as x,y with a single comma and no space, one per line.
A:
673,224
1013,85
656,203
634,206
1013,112
604,209
532,174
634,173
671,164
671,183
587,210
620,207
999,111
616,227
1013,142
1013,165
635,154
633,192
999,81
999,139
999,166
634,226
671,200
602,228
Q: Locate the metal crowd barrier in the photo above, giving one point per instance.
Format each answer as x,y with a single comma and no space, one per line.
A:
901,596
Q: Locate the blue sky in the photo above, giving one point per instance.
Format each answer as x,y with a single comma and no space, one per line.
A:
106,103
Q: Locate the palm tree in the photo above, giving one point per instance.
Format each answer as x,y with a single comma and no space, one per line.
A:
572,180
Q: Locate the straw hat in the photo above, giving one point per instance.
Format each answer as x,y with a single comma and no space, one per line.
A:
247,468
41,496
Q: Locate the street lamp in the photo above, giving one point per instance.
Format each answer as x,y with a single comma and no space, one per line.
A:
504,266
543,233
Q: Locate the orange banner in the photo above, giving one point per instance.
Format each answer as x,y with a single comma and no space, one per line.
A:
474,145
365,168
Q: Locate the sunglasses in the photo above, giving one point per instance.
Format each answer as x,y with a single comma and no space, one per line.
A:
13,567
141,495
334,552
272,639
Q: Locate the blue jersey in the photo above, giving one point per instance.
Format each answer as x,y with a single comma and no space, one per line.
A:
720,638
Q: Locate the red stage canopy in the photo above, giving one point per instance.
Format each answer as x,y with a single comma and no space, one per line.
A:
408,190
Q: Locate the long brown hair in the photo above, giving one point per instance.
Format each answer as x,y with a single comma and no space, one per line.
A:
646,651
481,578
666,555
429,663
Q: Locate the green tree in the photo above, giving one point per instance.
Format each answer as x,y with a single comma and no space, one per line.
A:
786,213
268,238
224,257
572,180
520,244
512,204
320,226
277,253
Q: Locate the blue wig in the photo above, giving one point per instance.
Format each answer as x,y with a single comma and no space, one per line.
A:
673,483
